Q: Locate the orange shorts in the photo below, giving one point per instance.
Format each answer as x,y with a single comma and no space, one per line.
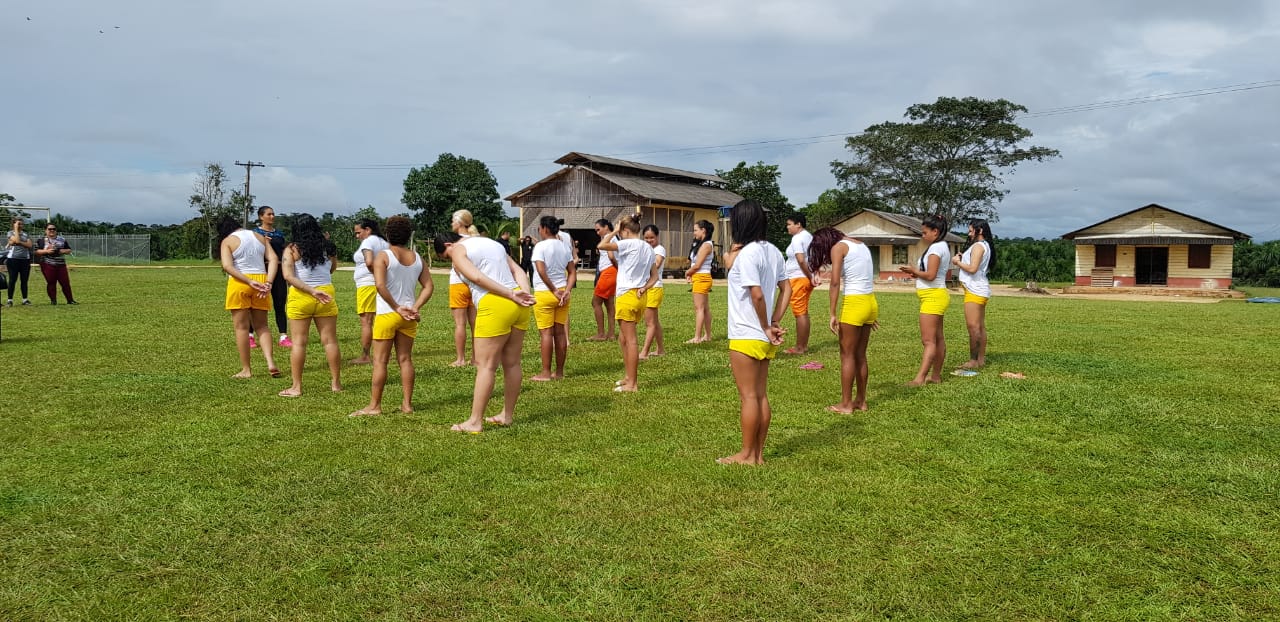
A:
701,283
607,282
800,290
459,296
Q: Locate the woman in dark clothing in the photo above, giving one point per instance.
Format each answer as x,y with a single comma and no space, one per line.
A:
17,258
279,287
526,255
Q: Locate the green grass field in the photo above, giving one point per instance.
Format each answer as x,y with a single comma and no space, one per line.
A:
1135,475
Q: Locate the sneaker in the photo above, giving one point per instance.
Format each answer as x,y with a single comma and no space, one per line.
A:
253,343
285,341
26,303
72,302
9,304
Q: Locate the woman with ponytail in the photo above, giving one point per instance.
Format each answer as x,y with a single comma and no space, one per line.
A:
975,264
931,276
852,275
460,307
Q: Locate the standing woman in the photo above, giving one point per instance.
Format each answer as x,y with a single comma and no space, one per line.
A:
853,270
279,288
371,244
699,273
636,274
308,268
975,264
526,255
931,287
501,295
653,327
604,299
460,307
759,293
552,283
397,271
17,258
53,264
243,254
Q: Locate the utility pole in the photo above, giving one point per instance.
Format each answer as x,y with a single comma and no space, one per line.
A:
248,172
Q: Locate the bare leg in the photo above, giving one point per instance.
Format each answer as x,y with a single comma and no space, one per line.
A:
511,378
931,360
848,368
630,358
381,357
560,337
328,327
299,331
863,337
488,354
547,346
802,335
264,339
975,316
597,308
404,356
240,322
366,339
650,316
611,307
753,416
701,319
460,320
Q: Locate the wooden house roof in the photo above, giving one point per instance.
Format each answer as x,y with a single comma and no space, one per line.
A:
1155,227
634,168
649,184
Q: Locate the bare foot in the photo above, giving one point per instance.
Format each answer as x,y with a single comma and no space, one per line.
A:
644,357
459,364
862,406
657,354
840,409
915,383
557,376
244,373
462,427
501,419
795,351
694,340
406,409
336,388
737,459
935,380
541,378
971,364
363,360
366,412
625,388
275,372
290,392
596,338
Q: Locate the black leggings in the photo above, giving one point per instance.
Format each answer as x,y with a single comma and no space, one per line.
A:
280,300
18,268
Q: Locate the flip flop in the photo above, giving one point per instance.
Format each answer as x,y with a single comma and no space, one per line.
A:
275,373
455,428
812,366
964,373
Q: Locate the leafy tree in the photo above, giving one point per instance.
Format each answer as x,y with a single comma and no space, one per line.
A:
7,215
949,159
210,200
837,204
1257,264
1026,259
759,182
435,191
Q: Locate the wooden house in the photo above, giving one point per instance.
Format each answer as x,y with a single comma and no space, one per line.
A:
1154,246
893,239
591,187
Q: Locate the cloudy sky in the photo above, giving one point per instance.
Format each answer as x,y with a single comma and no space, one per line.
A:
111,108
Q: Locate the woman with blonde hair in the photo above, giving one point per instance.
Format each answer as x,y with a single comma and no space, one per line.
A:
460,307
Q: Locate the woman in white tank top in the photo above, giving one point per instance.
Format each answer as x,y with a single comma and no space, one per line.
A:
250,265
309,263
975,264
851,283
931,277
653,325
460,307
397,271
369,233
502,294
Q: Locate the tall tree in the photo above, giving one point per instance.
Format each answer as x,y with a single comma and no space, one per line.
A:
950,158
837,204
432,193
759,182
209,197
7,201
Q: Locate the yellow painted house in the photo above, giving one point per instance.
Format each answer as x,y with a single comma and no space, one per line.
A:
893,239
1154,246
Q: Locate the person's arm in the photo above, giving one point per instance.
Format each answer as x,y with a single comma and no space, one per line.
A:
227,248
654,275
379,270
27,243
837,276
563,294
273,261
522,279
783,302
808,274
929,273
428,287
977,252
66,248
607,243
541,267
729,257
462,265
333,263
704,251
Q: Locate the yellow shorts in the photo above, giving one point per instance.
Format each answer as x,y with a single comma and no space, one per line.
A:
860,310
800,289
459,296
241,296
701,283
654,298
303,306
386,325
758,350
933,301
974,298
630,306
547,313
496,316
366,299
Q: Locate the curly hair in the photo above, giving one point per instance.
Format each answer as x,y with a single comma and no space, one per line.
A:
308,238
226,226
824,240
399,229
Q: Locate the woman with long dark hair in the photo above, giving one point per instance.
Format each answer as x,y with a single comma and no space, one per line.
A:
17,258
371,244
930,273
653,326
852,276
309,263
701,256
975,263
759,293
552,284
603,301
250,265
279,288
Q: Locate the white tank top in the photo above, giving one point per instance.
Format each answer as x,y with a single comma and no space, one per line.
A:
251,256
491,259
976,281
454,277
402,281
660,255
316,276
857,273
706,265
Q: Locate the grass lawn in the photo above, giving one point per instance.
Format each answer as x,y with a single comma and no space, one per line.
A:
1134,475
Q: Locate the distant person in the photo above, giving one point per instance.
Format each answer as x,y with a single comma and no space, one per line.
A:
975,263
552,286
931,287
52,253
308,265
852,280
526,255
502,297
460,306
803,280
701,256
759,293
653,326
505,240
603,302
250,265
17,258
397,272
636,275
279,288
369,233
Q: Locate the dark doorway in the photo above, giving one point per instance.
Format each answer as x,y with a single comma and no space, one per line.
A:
1152,265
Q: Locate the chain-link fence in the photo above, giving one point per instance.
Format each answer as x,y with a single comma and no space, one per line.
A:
112,249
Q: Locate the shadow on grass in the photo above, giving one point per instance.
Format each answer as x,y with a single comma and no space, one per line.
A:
844,427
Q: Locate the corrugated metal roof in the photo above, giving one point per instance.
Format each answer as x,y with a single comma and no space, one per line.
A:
670,191
577,157
1235,234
